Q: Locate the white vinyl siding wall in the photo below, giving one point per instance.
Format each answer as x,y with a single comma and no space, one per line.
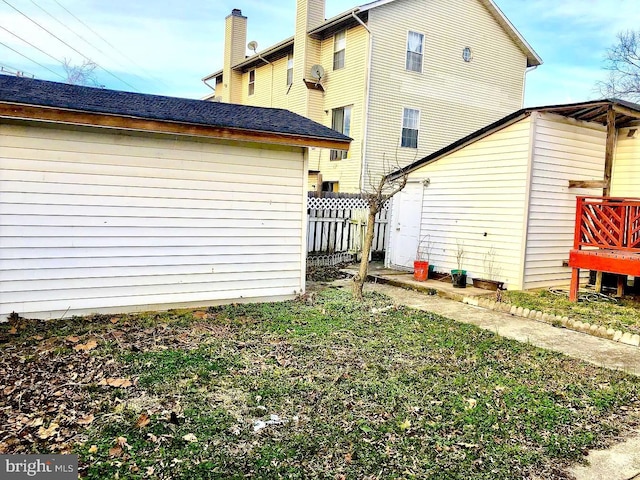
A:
115,221
454,96
625,178
479,189
563,150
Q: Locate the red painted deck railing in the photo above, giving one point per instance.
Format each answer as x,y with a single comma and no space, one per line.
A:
607,222
606,238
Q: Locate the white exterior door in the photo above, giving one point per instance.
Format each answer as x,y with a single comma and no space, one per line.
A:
405,231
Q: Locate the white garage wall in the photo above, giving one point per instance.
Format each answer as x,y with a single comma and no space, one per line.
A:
94,221
564,149
625,178
479,189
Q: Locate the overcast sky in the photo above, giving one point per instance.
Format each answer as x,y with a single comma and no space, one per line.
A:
167,46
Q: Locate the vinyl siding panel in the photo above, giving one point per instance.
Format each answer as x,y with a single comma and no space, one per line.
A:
103,221
476,197
454,97
344,87
625,179
563,150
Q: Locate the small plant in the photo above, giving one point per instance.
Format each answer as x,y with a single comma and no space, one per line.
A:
491,270
423,252
459,254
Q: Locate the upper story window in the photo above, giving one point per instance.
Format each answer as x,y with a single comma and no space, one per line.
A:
410,128
290,69
339,44
414,51
340,121
252,82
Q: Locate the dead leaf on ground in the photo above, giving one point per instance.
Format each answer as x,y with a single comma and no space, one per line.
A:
36,422
13,331
93,449
72,339
115,451
190,437
45,433
86,420
143,420
114,320
116,382
90,345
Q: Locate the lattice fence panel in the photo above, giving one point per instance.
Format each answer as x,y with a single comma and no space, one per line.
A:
338,225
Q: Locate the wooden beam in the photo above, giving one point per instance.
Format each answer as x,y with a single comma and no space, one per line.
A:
75,117
610,147
626,111
587,184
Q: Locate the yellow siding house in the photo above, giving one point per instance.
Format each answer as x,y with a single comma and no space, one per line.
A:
403,78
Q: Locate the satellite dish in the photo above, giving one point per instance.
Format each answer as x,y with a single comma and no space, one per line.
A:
253,45
317,72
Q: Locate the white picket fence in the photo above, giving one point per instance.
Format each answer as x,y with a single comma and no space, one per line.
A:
336,228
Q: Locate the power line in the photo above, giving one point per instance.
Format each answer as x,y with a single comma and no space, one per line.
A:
68,28
31,44
133,62
32,60
72,48
81,37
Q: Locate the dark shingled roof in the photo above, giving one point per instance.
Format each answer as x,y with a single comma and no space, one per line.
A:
28,91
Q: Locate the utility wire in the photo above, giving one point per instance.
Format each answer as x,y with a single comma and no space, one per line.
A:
32,60
31,44
82,37
68,28
72,48
133,62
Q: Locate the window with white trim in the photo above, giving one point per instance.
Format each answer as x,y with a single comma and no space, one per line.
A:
252,82
415,43
340,121
339,45
290,69
410,128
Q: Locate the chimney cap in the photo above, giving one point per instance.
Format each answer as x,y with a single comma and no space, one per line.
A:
236,12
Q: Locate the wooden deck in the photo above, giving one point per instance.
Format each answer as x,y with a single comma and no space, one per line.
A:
606,239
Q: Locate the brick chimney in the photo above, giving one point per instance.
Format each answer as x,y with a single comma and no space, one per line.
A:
306,51
235,47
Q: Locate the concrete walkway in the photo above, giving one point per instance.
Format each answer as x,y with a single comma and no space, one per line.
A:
621,462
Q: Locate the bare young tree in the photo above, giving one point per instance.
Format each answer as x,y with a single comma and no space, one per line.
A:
83,74
377,195
623,63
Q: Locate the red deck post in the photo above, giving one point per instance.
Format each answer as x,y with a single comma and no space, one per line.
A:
575,284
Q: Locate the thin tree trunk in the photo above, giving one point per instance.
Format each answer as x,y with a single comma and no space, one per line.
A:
360,278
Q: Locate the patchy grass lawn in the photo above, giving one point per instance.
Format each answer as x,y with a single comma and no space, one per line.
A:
623,315
322,388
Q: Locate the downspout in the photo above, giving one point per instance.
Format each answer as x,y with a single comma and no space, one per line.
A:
366,102
524,81
268,63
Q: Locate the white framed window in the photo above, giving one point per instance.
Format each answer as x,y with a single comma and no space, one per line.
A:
252,82
339,45
415,43
290,69
340,121
410,128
